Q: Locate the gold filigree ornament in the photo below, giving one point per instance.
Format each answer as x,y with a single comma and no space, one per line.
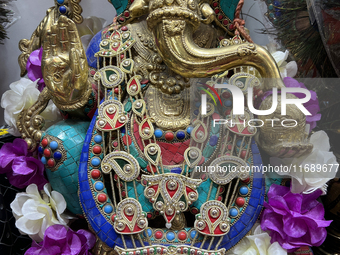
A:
226,168
111,116
118,43
146,129
170,250
242,124
110,76
139,107
213,219
134,87
123,164
192,156
152,153
170,193
244,80
199,132
130,218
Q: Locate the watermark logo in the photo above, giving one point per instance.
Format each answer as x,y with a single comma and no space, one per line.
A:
238,100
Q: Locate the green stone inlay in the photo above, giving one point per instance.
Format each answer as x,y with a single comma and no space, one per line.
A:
143,164
128,106
208,151
108,73
121,162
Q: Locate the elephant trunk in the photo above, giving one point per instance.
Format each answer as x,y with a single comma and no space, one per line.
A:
174,40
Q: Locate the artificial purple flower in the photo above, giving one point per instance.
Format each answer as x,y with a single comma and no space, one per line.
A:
33,68
312,105
294,220
59,239
21,168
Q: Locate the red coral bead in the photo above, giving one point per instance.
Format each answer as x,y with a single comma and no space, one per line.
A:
44,142
169,136
182,235
51,162
95,174
97,149
158,234
102,198
240,201
47,153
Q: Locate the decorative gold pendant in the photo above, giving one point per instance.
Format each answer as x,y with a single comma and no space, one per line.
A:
170,193
111,116
213,220
130,218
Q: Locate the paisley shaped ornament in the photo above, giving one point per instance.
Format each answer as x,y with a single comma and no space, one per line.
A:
123,164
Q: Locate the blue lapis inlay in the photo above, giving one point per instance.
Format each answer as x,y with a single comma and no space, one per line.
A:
57,155
158,133
54,145
98,139
99,186
95,162
62,9
41,150
60,1
176,170
244,190
180,135
213,140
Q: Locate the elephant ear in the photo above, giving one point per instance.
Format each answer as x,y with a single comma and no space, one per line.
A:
225,12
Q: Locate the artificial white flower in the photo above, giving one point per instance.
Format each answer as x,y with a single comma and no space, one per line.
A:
317,168
89,28
34,212
22,95
258,243
286,69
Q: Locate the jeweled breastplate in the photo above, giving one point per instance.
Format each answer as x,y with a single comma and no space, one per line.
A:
156,175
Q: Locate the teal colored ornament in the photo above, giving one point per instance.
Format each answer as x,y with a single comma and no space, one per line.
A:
120,5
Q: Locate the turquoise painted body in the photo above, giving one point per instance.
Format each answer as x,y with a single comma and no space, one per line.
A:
65,178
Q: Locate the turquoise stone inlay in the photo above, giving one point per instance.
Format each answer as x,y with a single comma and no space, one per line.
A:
170,236
244,190
65,178
53,145
233,212
99,186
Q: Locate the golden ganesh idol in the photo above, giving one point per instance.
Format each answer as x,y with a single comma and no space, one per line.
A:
138,156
